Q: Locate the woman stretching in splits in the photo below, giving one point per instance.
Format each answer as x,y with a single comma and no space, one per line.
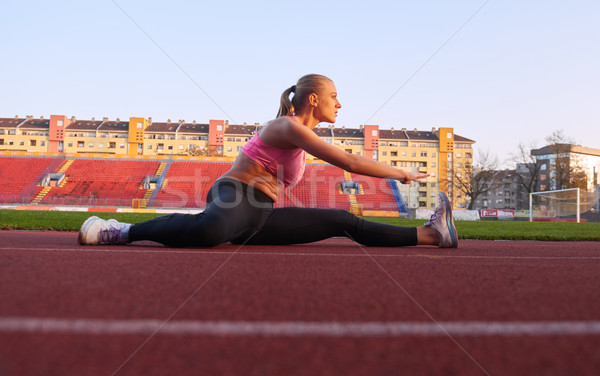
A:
240,203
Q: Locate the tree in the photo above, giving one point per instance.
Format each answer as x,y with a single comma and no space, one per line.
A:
560,148
203,152
577,175
565,165
527,173
475,181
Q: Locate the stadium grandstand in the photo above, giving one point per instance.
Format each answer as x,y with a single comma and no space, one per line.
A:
142,164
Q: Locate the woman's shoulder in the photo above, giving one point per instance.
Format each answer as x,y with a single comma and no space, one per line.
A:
283,123
282,132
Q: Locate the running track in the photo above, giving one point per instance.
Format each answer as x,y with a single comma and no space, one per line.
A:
328,308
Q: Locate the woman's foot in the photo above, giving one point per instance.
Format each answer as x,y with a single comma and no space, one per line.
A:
97,231
442,223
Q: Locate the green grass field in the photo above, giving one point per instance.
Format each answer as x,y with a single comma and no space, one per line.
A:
489,230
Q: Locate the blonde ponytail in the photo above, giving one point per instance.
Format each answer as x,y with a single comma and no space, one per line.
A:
311,83
285,106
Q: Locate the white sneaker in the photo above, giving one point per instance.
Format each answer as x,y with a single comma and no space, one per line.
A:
97,231
443,224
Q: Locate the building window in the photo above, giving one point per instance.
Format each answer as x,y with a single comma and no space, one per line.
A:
229,149
384,153
112,145
80,144
374,133
413,154
394,153
91,145
60,123
140,125
32,143
170,147
122,146
160,147
149,146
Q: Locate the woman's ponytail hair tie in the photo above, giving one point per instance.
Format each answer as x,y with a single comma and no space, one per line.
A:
293,89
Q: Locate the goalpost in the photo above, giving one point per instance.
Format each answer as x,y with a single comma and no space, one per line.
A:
552,205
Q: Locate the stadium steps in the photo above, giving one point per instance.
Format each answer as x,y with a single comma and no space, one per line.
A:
146,198
355,208
160,169
65,166
40,195
148,194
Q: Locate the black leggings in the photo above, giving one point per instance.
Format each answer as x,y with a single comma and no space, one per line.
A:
239,214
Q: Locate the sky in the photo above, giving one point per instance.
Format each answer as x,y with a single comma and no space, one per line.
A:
500,72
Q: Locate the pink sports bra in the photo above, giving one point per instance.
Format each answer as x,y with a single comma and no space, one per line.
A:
286,165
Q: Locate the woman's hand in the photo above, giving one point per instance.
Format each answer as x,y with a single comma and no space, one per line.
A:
413,176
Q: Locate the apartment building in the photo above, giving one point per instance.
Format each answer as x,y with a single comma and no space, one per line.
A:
565,165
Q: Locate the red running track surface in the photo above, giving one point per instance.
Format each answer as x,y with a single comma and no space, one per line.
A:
327,308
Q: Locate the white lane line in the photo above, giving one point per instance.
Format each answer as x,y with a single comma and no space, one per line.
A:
93,249
298,329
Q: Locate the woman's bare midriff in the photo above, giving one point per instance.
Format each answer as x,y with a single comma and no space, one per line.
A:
249,172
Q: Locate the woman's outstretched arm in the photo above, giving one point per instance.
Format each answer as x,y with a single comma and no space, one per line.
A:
303,137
